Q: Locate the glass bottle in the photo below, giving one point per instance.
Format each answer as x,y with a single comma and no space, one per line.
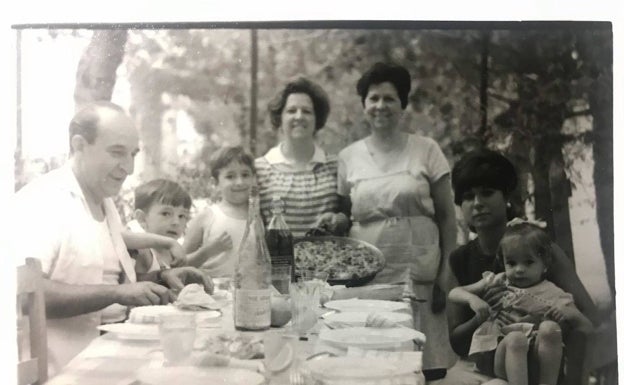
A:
279,240
252,274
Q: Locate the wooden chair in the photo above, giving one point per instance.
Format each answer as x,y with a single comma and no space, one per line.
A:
31,303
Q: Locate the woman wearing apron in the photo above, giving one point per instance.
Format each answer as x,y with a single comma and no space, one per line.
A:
398,188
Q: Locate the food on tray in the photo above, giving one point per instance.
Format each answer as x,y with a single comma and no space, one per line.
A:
340,259
148,314
234,344
218,360
193,297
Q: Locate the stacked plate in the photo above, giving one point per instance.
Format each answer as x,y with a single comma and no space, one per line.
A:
347,327
143,322
393,339
190,375
358,318
360,371
366,305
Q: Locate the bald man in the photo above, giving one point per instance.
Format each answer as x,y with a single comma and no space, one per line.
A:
68,220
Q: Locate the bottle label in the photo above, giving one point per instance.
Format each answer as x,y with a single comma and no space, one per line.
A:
252,309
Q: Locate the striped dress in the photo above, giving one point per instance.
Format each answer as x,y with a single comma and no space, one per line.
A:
306,193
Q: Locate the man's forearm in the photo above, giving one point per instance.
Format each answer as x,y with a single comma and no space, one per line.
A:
65,300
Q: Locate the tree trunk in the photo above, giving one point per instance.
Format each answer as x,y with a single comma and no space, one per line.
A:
541,124
560,193
601,102
97,69
541,188
147,110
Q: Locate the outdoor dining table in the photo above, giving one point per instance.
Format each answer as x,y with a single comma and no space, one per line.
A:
116,361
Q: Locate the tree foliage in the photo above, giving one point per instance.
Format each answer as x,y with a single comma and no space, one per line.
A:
537,80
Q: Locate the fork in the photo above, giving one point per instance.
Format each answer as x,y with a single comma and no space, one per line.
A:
296,377
299,373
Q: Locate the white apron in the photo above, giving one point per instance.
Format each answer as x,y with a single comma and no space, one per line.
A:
395,213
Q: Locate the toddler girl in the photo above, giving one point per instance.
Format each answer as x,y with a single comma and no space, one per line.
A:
519,339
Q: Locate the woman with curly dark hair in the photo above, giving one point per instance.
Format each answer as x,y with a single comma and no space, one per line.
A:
297,170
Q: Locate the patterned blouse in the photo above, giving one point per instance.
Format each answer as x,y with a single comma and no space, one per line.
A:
306,193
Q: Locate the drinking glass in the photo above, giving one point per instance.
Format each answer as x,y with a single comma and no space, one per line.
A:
280,350
177,336
280,278
305,297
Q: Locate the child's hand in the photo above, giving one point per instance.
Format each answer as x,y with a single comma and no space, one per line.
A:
481,308
178,255
221,242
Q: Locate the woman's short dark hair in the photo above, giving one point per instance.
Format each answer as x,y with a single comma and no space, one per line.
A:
225,155
483,168
300,85
386,72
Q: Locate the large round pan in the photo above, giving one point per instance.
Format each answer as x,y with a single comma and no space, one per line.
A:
338,277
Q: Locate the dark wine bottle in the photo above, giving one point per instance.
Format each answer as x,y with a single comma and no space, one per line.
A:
279,240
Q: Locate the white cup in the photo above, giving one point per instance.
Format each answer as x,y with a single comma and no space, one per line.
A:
177,336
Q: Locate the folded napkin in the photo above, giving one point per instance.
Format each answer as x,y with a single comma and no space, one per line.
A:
193,297
374,320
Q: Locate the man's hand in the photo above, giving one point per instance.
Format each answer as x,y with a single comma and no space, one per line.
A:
142,294
178,277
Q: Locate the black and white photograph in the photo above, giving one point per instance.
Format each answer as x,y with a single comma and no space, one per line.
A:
324,200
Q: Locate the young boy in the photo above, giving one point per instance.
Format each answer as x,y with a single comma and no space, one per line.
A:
215,234
161,207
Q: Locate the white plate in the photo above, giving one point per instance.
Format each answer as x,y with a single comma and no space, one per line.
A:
129,331
367,305
371,338
191,375
358,318
150,314
361,368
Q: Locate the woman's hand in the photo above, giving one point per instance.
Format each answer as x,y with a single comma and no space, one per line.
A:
561,313
493,295
480,307
508,319
336,223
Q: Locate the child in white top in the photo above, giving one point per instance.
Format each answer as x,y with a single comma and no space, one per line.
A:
214,235
520,339
160,207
